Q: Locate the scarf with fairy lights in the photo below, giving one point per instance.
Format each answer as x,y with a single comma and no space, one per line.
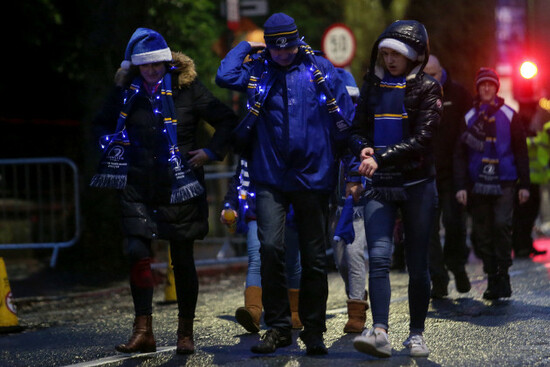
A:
481,137
260,83
113,166
391,126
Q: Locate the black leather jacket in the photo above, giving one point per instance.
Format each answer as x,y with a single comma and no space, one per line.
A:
423,103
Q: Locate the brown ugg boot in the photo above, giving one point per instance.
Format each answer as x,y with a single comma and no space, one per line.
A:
293,298
357,315
249,315
185,344
142,339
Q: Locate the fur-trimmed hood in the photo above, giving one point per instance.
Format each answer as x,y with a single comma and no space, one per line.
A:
183,74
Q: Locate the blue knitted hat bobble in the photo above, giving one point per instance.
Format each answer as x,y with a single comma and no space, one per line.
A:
146,46
280,31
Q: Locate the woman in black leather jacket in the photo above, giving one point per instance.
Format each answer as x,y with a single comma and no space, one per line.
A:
397,115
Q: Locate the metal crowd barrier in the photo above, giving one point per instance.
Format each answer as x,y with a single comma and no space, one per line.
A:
39,204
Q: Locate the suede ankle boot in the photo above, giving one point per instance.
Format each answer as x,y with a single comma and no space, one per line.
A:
142,339
185,344
249,315
293,298
357,315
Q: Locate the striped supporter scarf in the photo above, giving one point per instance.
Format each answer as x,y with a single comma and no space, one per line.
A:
481,137
259,84
113,166
391,126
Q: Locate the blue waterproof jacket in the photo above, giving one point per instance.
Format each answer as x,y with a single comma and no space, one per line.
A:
294,142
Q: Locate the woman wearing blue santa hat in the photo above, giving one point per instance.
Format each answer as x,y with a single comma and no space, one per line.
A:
151,156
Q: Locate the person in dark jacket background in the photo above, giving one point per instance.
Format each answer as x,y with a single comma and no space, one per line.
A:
490,160
299,113
454,254
398,112
154,161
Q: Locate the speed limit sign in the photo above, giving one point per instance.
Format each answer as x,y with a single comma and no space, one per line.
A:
338,45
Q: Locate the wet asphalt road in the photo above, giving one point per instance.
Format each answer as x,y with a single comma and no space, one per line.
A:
462,330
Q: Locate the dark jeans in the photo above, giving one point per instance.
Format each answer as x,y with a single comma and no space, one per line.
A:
525,216
492,228
311,218
141,283
417,215
454,254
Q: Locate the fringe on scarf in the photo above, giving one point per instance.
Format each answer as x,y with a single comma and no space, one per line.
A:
109,181
358,211
186,192
487,189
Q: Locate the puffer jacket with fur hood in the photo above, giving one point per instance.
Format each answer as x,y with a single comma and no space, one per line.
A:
423,103
145,201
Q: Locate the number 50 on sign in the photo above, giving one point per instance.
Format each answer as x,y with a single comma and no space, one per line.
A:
338,45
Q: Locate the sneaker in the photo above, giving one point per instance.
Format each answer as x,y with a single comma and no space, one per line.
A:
314,343
373,342
271,340
462,282
417,346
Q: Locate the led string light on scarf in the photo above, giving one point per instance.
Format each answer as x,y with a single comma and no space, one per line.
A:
113,169
258,88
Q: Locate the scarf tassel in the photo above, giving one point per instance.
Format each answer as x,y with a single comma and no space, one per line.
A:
109,181
487,189
186,192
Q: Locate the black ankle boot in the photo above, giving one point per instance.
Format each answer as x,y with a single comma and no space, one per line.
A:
504,285
492,291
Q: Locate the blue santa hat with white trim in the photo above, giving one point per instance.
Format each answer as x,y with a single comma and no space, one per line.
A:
146,46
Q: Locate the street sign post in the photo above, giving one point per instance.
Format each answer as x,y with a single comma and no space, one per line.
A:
338,45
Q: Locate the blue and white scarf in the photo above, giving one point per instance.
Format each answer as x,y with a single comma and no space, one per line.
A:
391,126
481,136
113,167
258,89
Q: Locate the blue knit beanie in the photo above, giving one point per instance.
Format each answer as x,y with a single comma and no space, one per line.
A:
146,46
280,31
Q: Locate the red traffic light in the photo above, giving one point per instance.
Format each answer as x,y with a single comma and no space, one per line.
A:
528,69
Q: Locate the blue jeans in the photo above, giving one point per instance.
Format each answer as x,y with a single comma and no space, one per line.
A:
293,268
417,213
311,219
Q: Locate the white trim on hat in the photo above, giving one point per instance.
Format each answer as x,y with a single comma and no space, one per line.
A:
400,47
152,56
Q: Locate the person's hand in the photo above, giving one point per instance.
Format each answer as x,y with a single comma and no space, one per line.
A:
462,197
368,166
198,158
354,189
523,196
366,152
224,220
256,46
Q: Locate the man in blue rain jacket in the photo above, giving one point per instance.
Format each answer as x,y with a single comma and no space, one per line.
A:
299,111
